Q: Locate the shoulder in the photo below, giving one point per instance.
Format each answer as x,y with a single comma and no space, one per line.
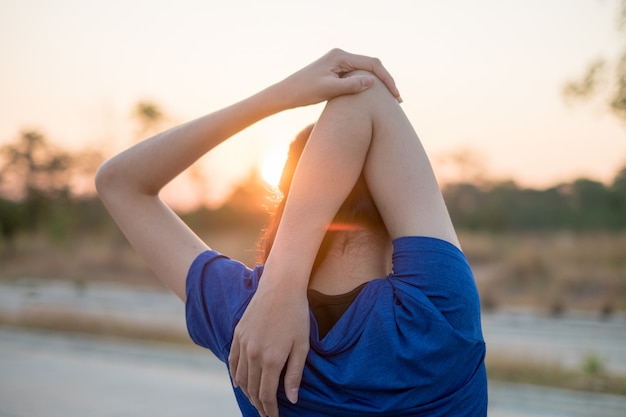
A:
214,262
437,275
213,277
423,254
218,291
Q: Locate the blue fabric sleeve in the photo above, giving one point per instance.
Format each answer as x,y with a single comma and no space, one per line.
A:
441,272
218,291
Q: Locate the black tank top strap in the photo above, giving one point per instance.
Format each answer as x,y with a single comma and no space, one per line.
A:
328,309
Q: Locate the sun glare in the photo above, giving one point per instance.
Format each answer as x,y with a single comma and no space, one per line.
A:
272,167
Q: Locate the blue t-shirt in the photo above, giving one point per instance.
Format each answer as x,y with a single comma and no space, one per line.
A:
410,344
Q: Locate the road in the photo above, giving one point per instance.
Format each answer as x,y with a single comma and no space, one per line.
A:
51,374
566,340
47,374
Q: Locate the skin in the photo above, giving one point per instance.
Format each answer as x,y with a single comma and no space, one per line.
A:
129,186
365,132
130,182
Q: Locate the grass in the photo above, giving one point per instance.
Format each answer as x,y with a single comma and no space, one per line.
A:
83,259
105,257
552,272
68,321
549,271
590,375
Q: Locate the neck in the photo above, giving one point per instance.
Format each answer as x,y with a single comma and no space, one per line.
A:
352,261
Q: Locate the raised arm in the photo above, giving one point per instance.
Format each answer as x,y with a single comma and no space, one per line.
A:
368,133
130,182
399,174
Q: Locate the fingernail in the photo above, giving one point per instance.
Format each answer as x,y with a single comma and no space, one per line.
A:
366,82
399,99
292,395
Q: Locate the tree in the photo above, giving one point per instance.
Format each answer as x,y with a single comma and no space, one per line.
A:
32,167
149,117
38,176
605,77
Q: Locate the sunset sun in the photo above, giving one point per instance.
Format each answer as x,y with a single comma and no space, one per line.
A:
272,167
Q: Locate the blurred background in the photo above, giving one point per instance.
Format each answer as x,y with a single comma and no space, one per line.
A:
520,104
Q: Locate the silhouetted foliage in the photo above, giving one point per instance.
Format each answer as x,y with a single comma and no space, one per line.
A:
605,77
246,208
149,117
581,205
35,196
35,184
9,221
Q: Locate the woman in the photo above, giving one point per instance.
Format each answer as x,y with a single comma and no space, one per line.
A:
403,343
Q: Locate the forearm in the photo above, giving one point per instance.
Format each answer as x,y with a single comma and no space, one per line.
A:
328,169
365,133
400,177
148,166
129,183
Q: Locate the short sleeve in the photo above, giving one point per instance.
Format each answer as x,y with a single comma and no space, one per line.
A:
218,290
441,272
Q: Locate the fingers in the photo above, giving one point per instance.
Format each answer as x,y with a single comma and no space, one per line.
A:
351,85
252,387
246,376
268,388
233,360
293,372
257,374
239,371
349,62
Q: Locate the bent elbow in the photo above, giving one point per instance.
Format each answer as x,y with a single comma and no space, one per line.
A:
107,179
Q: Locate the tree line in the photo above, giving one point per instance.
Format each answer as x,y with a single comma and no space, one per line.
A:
36,197
581,205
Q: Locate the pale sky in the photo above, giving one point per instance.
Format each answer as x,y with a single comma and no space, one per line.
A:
484,75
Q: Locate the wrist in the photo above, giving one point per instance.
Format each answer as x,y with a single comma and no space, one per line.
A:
292,276
276,98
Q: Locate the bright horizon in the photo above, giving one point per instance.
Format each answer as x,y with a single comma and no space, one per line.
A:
485,76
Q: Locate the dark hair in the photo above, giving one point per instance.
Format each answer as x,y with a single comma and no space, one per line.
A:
357,210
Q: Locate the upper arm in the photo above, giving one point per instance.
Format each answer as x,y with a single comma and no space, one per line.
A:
366,132
399,174
369,132
162,239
